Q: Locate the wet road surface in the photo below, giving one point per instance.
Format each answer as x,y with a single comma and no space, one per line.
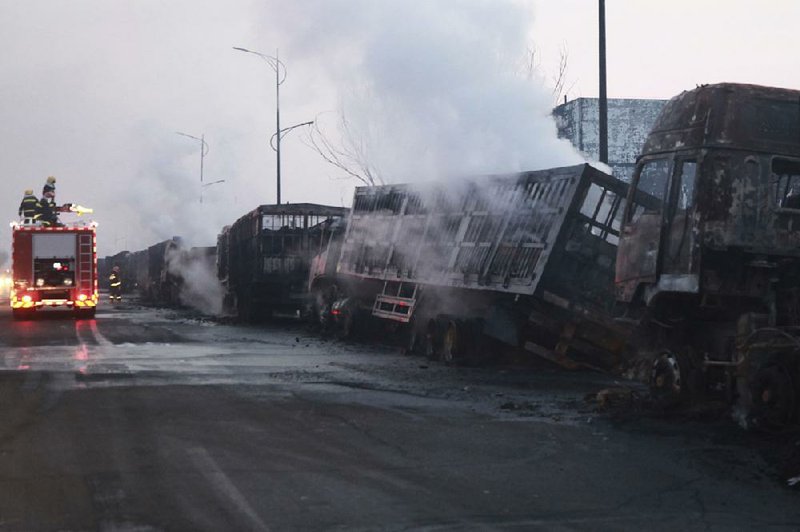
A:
155,420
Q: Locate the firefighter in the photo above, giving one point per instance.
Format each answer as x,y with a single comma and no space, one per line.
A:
27,207
50,184
115,285
46,210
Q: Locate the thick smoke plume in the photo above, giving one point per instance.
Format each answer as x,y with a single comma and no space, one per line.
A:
432,89
430,86
198,285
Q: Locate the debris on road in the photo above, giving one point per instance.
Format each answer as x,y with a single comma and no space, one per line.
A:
615,397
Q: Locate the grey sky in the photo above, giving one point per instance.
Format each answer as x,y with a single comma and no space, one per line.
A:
93,92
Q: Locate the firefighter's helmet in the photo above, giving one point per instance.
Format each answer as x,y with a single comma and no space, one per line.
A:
115,269
51,180
29,192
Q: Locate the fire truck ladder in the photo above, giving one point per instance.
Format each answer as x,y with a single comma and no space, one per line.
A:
84,281
396,301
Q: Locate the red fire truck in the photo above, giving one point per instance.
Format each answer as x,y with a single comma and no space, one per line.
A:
54,267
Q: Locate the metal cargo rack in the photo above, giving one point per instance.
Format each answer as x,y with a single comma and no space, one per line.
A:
495,233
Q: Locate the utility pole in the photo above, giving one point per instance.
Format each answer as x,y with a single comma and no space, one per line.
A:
603,96
278,122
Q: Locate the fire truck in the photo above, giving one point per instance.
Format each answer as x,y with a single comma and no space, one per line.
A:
54,267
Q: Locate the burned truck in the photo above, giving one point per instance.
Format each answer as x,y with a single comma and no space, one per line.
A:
264,258
155,282
712,267
527,259
694,267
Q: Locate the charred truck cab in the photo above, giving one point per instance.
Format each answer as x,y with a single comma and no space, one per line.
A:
713,265
263,258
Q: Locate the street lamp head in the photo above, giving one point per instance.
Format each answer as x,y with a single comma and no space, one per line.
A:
242,49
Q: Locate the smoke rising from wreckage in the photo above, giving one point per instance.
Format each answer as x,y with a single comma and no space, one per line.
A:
691,269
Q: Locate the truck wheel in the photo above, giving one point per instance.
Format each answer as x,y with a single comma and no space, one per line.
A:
774,399
669,380
451,344
430,341
85,314
347,325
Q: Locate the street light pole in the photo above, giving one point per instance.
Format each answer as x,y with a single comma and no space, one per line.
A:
278,124
282,133
203,152
603,97
203,187
277,65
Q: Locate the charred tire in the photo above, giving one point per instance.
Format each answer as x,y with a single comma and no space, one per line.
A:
774,398
85,314
347,325
669,380
431,341
452,345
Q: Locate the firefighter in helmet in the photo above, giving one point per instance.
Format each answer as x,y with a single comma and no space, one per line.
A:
46,209
27,207
115,285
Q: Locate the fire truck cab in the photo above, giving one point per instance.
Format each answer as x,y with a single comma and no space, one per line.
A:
54,267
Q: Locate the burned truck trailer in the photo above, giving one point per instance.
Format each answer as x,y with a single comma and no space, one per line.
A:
155,282
712,267
263,258
527,259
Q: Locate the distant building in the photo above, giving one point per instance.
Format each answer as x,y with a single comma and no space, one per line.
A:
629,122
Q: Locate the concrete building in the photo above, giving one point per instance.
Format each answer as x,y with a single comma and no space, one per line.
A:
629,122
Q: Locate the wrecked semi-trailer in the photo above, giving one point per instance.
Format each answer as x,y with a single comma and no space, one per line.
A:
695,267
263,258
711,270
155,282
159,273
526,259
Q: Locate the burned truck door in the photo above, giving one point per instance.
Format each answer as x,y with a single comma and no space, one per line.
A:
638,255
679,241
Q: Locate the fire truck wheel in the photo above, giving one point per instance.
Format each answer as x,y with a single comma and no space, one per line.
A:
774,398
669,382
85,314
21,314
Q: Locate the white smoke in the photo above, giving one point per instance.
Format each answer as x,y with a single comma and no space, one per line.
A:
198,285
429,83
432,87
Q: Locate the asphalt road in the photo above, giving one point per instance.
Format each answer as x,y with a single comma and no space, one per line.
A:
156,420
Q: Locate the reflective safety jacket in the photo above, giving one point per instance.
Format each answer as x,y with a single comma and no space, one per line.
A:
28,208
114,280
46,212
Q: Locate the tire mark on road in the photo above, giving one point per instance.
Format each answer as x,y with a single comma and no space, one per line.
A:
223,485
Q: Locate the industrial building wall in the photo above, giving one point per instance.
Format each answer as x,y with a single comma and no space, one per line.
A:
629,122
